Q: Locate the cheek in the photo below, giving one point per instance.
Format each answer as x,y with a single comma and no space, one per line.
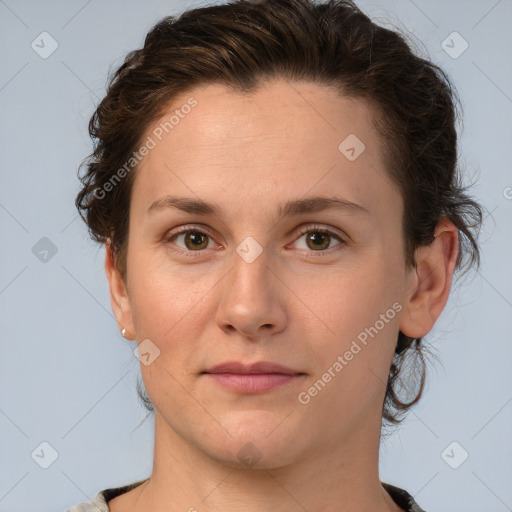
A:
352,365
361,308
171,310
163,296
352,299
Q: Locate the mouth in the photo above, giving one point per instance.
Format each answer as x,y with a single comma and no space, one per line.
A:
252,378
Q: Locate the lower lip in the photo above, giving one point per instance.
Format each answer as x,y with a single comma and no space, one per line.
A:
252,382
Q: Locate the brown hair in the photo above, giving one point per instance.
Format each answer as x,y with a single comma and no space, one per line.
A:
243,43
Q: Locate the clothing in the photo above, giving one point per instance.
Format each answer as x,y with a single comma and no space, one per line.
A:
99,504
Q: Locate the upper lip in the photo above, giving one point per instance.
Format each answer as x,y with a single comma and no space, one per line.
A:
254,368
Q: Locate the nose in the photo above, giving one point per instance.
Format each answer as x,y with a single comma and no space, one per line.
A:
252,300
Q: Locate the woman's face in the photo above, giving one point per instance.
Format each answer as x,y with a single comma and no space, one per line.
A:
269,271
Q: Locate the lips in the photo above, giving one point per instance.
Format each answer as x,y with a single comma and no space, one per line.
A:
252,378
254,368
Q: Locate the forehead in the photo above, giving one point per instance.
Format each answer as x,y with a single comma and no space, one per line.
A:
285,138
278,116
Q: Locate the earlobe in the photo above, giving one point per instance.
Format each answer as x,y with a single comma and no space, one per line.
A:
119,299
431,281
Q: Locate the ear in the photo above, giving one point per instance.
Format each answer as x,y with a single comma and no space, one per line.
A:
118,295
430,281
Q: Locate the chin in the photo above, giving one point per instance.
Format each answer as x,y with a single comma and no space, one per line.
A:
257,440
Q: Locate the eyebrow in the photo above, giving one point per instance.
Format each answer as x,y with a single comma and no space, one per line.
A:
289,209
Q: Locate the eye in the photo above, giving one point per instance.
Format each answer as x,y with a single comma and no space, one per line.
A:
317,239
191,240
312,238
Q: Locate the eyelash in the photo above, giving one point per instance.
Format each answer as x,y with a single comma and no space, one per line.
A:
301,231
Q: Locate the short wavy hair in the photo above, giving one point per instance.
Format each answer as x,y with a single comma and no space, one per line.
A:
242,44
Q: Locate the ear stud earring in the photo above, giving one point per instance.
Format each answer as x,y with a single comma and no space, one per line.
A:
123,333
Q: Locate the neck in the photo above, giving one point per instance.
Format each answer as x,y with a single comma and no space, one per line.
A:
343,477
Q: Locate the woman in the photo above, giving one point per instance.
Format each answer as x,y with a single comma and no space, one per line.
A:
275,183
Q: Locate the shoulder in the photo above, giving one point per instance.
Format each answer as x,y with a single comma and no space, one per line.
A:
402,498
100,502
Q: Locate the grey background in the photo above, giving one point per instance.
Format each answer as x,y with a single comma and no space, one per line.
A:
67,376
